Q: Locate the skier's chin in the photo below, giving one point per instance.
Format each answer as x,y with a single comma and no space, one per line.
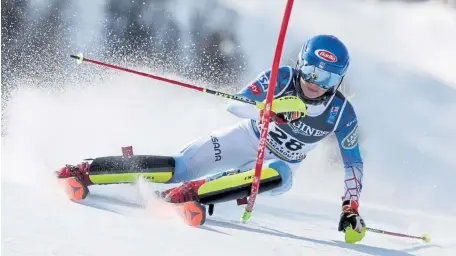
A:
312,93
311,90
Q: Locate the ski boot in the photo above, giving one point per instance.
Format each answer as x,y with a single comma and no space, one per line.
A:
186,192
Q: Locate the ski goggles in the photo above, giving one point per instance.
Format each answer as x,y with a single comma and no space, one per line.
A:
320,77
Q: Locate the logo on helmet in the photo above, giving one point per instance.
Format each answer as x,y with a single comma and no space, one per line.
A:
326,55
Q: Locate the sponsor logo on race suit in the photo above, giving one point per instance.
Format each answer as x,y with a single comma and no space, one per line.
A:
351,122
301,128
217,150
255,88
332,116
351,140
263,81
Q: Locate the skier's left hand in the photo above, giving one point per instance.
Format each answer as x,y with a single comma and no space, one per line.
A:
287,117
284,118
286,109
351,222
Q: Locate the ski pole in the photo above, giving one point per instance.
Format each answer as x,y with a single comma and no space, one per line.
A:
424,237
80,58
281,105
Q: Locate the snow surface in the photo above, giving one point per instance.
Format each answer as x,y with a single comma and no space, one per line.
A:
405,100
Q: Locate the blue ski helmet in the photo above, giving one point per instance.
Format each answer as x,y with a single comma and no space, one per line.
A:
323,60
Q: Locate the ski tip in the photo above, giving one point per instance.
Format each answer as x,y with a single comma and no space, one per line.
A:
426,238
79,57
194,214
75,190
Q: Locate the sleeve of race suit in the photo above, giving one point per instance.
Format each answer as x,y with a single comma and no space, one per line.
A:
347,137
257,89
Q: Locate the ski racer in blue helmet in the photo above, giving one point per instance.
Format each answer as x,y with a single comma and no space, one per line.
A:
219,166
322,64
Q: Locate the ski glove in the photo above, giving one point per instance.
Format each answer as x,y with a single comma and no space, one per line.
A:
351,222
284,118
286,109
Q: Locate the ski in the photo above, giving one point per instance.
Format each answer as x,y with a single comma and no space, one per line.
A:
74,188
192,213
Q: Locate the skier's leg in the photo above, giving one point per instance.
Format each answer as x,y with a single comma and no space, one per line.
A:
276,178
216,152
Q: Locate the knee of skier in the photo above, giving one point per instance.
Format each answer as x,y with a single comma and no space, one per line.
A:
285,173
180,170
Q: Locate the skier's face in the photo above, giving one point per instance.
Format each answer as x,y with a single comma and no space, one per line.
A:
311,90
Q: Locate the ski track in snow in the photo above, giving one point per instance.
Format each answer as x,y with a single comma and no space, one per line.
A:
47,130
118,221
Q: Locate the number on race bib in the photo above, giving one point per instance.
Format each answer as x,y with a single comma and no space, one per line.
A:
278,136
281,137
294,145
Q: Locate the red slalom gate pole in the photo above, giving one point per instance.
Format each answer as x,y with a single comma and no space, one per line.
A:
267,114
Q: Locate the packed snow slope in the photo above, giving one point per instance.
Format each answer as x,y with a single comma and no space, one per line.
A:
405,98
